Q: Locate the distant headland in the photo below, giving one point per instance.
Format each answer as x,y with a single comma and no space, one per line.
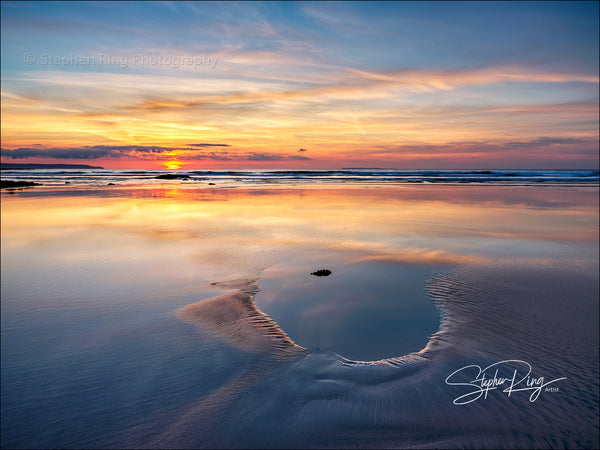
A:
12,166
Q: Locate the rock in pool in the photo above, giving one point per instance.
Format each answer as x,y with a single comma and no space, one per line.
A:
322,273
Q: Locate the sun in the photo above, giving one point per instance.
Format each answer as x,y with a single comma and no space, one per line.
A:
173,165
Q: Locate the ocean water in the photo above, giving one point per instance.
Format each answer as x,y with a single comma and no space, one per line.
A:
176,314
233,178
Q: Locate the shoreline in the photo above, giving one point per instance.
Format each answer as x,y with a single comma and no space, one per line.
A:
120,189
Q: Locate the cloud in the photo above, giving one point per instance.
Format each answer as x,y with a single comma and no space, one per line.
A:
216,156
143,152
351,84
274,157
540,146
240,90
263,157
444,80
85,152
302,150
547,141
209,145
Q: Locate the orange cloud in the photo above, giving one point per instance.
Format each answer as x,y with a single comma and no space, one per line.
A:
343,114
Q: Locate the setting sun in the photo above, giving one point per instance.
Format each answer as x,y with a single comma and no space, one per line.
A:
173,165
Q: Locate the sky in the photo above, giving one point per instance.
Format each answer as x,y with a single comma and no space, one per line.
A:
308,85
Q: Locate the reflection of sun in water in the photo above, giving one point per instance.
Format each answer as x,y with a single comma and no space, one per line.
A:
173,165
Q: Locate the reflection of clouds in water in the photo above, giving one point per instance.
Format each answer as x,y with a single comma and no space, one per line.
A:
332,306
422,256
242,259
424,224
113,269
214,235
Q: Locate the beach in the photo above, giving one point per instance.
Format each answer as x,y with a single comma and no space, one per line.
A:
320,225
168,314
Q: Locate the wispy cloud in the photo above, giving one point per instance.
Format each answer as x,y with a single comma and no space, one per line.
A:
274,157
208,145
145,153
86,152
542,146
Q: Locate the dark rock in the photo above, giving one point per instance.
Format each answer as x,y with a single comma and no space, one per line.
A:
14,184
172,176
322,273
110,184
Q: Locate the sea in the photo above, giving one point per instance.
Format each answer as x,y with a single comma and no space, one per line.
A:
254,177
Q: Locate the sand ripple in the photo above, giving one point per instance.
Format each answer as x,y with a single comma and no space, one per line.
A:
543,314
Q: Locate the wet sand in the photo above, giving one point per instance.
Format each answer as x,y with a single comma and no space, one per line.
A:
536,325
172,319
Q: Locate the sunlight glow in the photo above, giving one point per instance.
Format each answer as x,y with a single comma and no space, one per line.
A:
173,165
